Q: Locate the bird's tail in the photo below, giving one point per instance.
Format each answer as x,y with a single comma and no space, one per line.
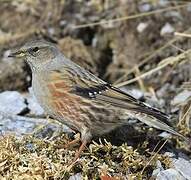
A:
156,123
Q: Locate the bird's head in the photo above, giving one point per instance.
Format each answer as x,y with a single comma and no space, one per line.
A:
37,53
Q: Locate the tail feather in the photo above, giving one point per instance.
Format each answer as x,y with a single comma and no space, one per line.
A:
145,108
156,123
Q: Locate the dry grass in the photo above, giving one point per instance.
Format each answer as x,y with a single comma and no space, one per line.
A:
130,17
181,58
32,158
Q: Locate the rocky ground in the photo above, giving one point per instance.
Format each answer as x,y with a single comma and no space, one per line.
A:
140,46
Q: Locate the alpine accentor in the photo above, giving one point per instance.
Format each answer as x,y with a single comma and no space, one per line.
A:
79,99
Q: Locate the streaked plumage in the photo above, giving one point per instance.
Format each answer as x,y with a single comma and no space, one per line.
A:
81,100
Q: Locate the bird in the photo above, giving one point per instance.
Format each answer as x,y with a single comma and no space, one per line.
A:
79,99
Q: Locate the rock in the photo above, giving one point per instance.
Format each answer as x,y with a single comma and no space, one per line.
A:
20,125
50,130
77,176
181,98
141,27
163,3
138,94
189,7
167,29
33,105
183,167
165,135
169,154
51,31
173,14
12,102
165,88
169,174
144,7
158,169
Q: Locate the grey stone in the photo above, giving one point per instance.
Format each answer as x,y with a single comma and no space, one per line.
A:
144,7
169,174
158,169
141,27
167,29
181,97
77,176
133,92
165,135
189,7
163,3
20,125
12,102
169,154
163,89
33,104
174,14
183,167
34,107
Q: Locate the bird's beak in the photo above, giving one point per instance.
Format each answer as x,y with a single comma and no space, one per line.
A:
17,54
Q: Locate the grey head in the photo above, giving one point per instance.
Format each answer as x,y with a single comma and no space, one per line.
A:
37,53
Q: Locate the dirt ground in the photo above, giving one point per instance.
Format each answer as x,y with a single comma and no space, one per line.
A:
141,45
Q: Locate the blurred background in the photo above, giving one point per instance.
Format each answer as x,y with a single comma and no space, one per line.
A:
141,46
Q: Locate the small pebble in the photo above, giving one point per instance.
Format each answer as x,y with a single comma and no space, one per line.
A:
133,92
181,98
189,7
51,31
144,7
165,135
174,14
169,154
141,27
163,3
77,176
167,29
158,169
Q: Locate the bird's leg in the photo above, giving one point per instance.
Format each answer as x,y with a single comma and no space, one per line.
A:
76,140
77,155
85,138
82,147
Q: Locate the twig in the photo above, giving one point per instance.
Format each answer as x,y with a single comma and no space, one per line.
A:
129,17
182,34
147,59
154,155
163,64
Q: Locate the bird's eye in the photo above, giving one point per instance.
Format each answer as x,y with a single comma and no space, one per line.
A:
35,49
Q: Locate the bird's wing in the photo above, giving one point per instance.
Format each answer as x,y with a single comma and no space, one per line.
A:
119,98
87,85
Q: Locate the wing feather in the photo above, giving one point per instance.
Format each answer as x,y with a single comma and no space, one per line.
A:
86,85
89,86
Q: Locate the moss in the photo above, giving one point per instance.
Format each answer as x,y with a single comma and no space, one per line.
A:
33,158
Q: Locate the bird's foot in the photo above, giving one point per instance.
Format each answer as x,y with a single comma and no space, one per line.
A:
78,153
